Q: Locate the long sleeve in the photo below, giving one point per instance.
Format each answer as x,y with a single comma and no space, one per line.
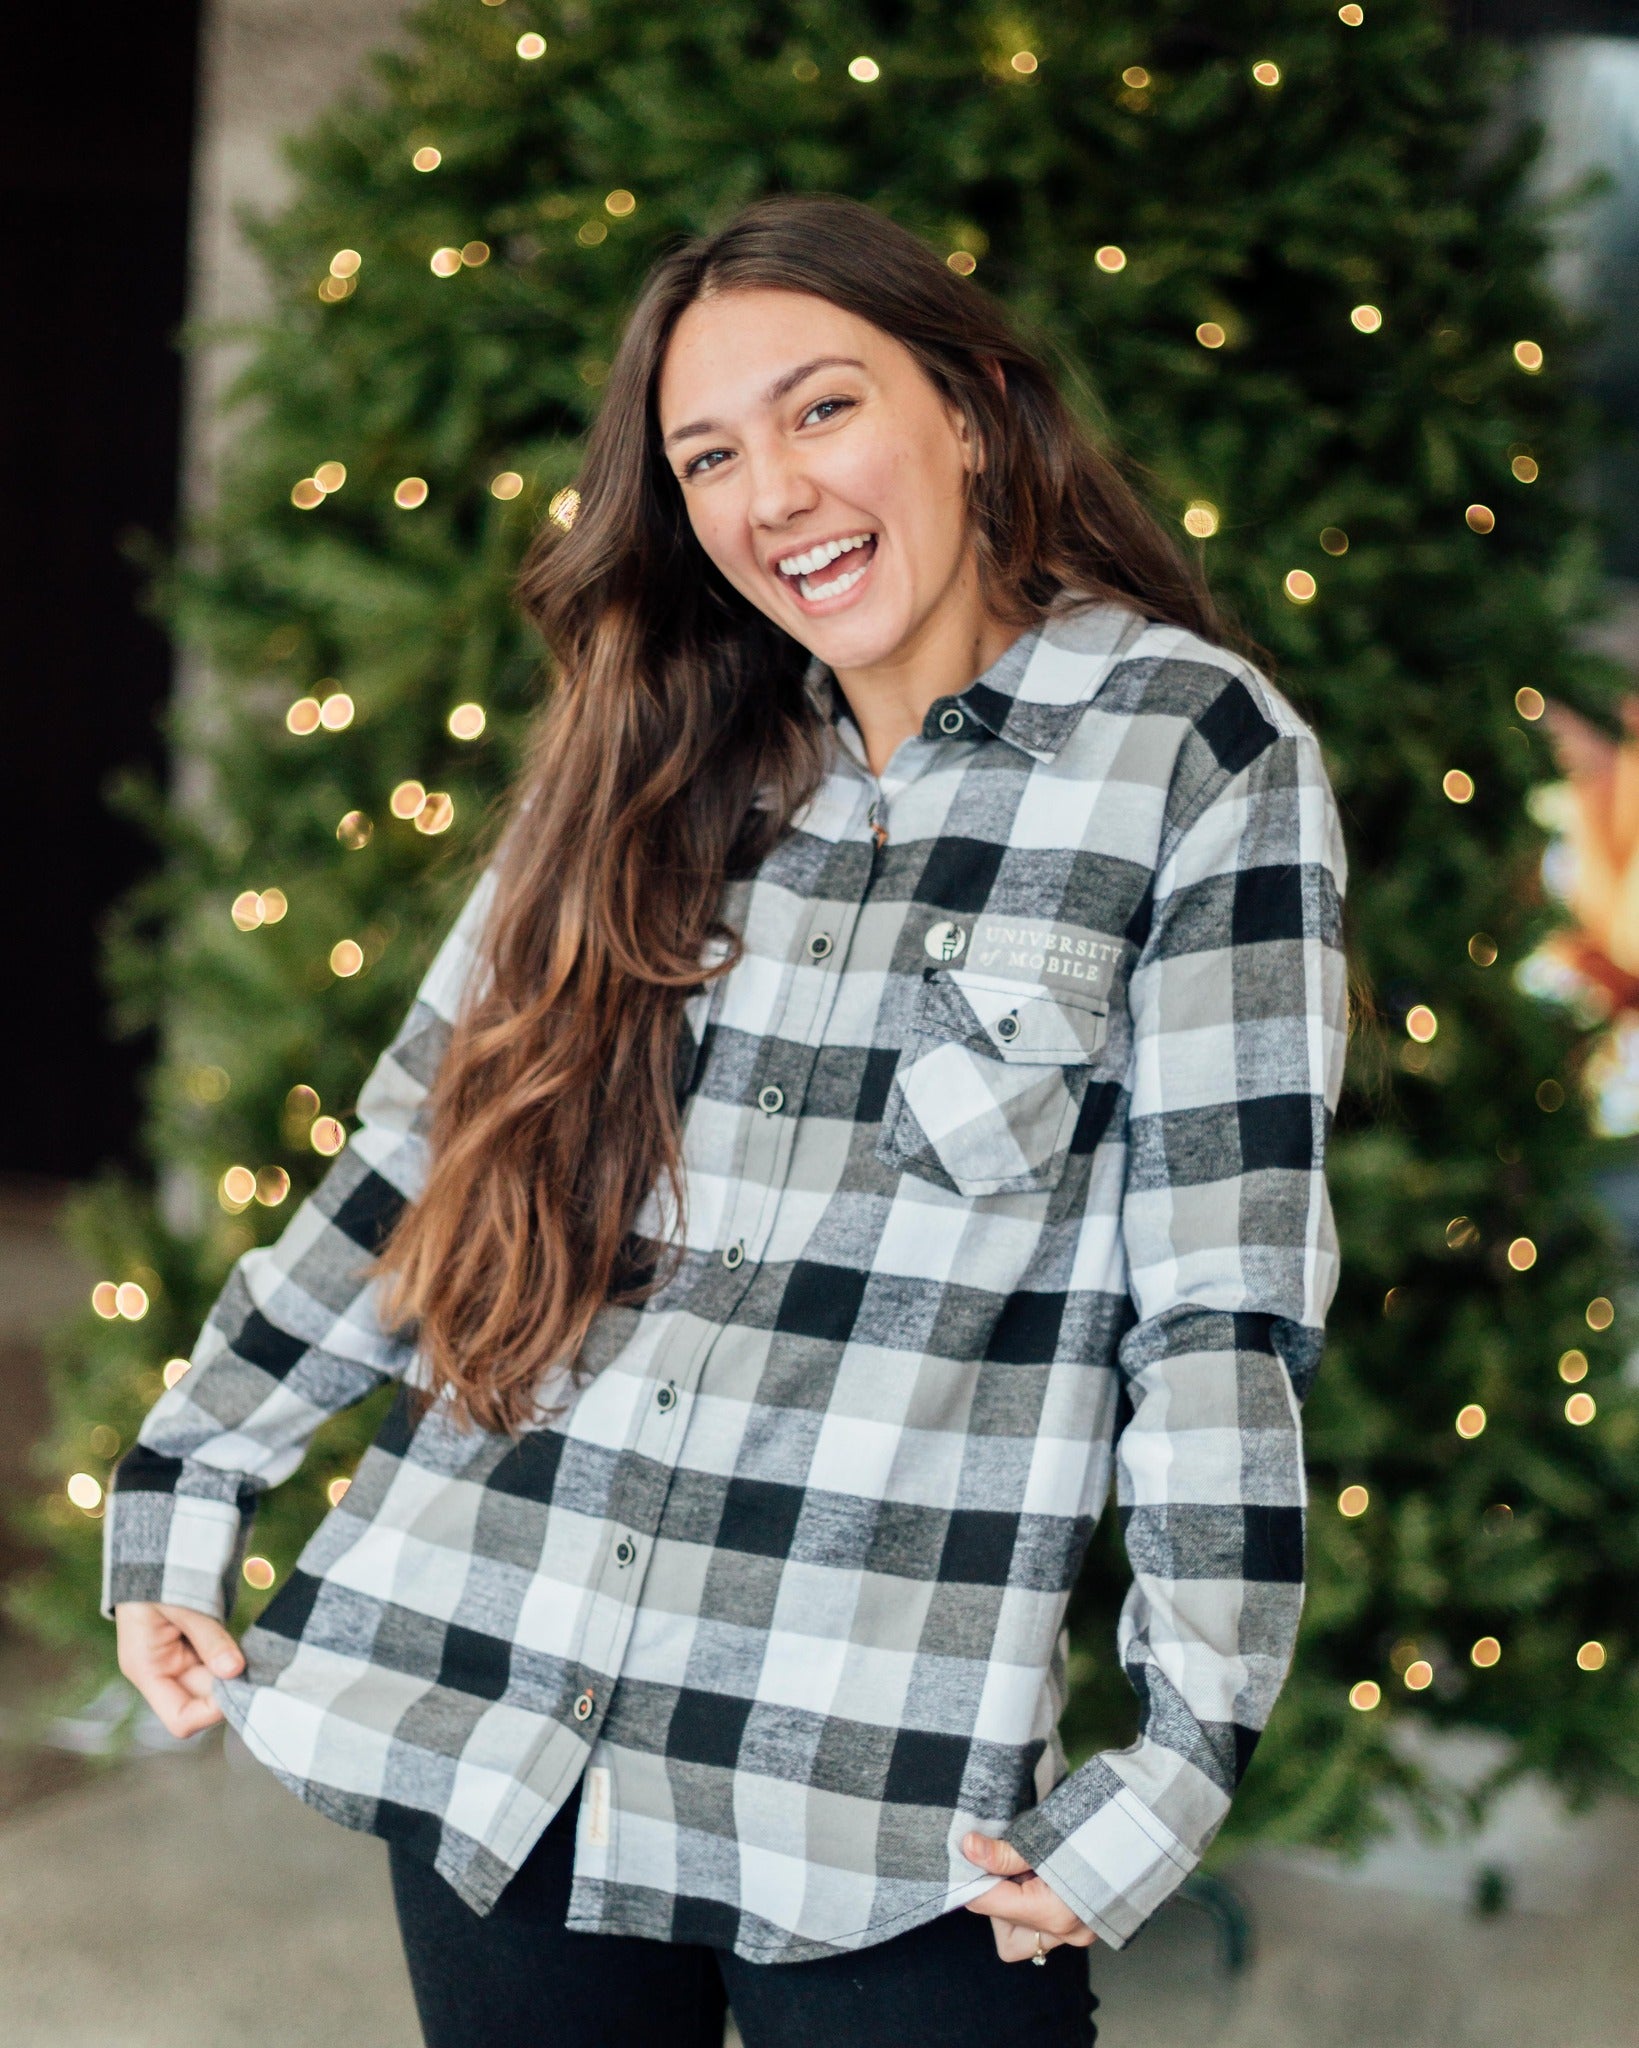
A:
1239,1014
293,1338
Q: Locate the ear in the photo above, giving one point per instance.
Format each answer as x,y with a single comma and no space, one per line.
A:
997,375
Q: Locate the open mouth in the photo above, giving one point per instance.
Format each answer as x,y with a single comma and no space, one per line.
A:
831,570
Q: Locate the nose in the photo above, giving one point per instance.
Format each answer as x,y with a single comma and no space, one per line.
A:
781,490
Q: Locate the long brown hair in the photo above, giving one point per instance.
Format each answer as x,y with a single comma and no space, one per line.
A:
675,747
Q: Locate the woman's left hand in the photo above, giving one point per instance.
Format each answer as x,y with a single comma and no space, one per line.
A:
1022,1907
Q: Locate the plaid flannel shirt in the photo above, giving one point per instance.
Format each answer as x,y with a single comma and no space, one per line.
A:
1004,1154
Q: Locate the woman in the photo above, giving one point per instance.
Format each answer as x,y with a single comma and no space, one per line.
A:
881,1080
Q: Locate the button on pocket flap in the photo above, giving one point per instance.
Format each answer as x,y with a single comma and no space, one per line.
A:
1014,1020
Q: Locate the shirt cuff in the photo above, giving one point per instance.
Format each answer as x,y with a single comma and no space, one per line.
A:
173,1548
1105,1851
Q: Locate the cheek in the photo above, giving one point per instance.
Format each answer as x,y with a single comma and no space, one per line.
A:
721,534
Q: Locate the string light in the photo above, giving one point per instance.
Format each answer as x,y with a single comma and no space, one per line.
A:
1024,62
1266,73
1550,1096
1522,1254
1136,78
1458,785
1481,518
1419,1675
1461,1232
467,721
1482,950
475,254
307,494
1421,1023
84,1491
103,1300
531,46
445,262
1486,1653
508,484
334,289
1351,15
1110,259
173,1371
345,263
962,261
1591,1657
590,233
410,494
275,905
327,1136
1529,703
1529,356
246,910
1525,469
437,814
346,958
236,1189
1299,586
1573,1366
1368,319
864,70
563,507
272,1186
259,1573
427,159
1581,1409
336,712
1201,518
1210,335
330,476
1353,1501
302,1103
1599,1314
1334,540
407,799
355,831
620,202
303,717
104,1441
336,1491
1365,1695
805,71
1470,1421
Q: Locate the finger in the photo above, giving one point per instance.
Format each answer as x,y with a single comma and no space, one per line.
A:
1029,1904
1001,1859
1016,1944
179,1713
210,1639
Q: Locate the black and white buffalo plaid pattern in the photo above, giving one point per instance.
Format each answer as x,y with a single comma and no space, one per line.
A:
1004,1146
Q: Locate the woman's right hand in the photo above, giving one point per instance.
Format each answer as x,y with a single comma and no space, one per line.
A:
171,1655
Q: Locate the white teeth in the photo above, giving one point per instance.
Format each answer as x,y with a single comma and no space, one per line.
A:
816,558
837,585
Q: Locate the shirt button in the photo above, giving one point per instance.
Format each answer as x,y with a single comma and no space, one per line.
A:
734,1254
771,1101
951,721
625,1550
819,945
1007,1027
666,1397
583,1706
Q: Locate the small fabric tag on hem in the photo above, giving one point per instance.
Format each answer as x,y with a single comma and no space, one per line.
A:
597,1806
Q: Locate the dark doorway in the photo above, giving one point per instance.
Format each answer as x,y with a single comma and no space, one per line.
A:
96,137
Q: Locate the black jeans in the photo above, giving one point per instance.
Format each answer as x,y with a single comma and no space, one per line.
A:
518,1978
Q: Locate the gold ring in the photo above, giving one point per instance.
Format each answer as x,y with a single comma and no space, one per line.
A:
1041,1954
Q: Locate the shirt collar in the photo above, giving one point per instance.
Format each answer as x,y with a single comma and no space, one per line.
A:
1034,693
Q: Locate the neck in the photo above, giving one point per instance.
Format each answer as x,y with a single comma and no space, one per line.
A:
957,641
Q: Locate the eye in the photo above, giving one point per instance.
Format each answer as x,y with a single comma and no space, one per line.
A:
820,405
693,466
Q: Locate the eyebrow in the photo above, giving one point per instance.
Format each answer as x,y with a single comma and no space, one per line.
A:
772,396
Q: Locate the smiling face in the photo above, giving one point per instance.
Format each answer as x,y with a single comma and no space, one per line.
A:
823,473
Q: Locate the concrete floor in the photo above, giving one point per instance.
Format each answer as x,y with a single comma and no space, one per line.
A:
189,1898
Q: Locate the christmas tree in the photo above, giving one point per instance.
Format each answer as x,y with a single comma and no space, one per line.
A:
1281,255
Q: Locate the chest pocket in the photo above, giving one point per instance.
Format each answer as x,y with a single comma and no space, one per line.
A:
988,1088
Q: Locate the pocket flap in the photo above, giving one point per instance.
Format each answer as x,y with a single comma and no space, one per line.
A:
1013,1020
